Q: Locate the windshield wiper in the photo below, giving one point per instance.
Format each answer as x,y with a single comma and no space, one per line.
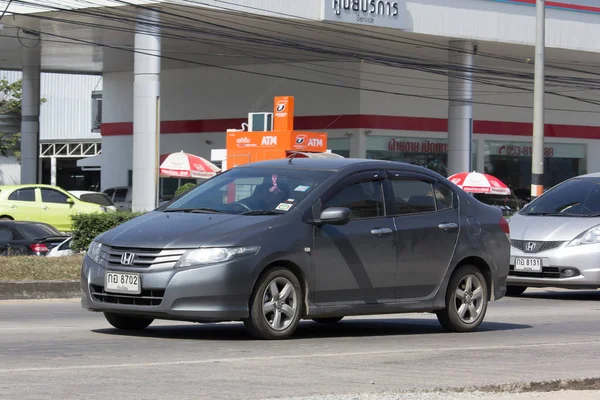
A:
196,210
262,212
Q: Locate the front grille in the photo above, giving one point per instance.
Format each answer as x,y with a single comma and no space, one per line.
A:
525,245
151,297
143,258
547,272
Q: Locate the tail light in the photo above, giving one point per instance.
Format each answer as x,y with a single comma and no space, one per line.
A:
504,226
38,248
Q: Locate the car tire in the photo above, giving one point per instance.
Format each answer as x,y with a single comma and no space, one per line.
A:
515,291
276,305
466,300
126,322
328,320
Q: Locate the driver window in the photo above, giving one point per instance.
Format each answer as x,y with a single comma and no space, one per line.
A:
53,196
364,199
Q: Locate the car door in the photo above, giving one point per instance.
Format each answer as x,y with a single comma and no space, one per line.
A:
121,200
356,263
56,209
427,225
22,205
6,236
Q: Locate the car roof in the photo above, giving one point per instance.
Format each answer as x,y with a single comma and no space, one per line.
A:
331,164
28,185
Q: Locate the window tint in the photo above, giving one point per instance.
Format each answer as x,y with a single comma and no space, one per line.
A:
23,195
120,195
577,196
53,196
6,235
109,192
363,198
413,196
35,231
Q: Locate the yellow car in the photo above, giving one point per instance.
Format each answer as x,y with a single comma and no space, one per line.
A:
43,203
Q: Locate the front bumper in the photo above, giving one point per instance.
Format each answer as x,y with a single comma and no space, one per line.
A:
584,260
211,293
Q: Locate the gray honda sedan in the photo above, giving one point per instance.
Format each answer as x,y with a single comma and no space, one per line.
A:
275,242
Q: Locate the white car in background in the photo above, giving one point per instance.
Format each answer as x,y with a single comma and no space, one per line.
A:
94,197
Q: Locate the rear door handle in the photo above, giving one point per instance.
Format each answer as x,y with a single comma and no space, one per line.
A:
381,231
448,227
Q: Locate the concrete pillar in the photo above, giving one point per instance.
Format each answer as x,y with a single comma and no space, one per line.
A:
30,109
146,114
53,171
460,107
358,144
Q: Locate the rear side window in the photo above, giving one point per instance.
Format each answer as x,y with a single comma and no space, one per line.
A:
120,195
6,235
413,196
97,198
23,195
574,197
110,192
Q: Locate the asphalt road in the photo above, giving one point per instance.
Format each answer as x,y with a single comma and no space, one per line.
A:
54,350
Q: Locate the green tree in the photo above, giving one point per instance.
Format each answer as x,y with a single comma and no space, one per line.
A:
11,95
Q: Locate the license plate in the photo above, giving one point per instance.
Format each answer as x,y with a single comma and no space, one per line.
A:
119,282
528,264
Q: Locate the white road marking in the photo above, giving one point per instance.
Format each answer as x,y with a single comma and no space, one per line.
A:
290,357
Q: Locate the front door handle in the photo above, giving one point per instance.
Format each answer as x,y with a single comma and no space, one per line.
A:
44,207
448,227
381,231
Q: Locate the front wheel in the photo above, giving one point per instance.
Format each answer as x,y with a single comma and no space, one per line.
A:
125,322
275,306
466,300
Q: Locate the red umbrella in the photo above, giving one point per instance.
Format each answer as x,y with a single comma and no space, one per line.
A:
474,182
184,165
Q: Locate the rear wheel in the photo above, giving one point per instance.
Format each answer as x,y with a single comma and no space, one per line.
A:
329,320
125,322
466,300
515,291
275,306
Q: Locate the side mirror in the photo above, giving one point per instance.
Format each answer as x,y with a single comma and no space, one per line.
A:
335,216
70,201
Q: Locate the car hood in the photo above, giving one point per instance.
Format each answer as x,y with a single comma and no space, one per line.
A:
546,228
159,230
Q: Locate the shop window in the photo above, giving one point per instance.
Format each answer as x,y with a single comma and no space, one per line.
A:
339,146
511,162
425,152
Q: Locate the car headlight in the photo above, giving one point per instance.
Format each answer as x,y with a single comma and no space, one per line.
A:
94,252
591,236
211,255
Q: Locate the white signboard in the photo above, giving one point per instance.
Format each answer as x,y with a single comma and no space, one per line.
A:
382,13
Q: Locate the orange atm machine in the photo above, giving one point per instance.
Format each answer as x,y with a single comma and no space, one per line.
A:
283,141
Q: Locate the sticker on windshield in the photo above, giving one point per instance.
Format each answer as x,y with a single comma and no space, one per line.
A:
301,188
284,206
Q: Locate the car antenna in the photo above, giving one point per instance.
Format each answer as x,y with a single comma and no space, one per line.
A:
292,156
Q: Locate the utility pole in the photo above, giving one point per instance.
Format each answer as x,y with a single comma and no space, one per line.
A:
537,153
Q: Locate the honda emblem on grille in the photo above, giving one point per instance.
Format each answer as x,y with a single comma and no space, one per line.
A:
127,258
530,246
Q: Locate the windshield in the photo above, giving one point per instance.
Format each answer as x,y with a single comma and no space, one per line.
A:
36,231
97,198
576,197
251,191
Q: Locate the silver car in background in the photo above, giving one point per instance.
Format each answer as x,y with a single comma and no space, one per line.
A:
555,239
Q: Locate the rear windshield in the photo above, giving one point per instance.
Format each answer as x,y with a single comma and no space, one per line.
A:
36,231
576,197
97,198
